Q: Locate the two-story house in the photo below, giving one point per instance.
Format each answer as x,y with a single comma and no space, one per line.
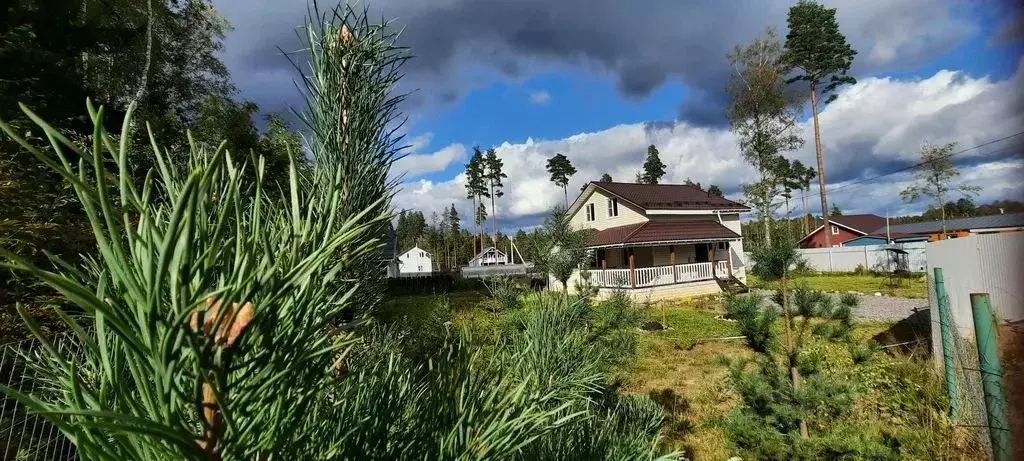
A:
659,241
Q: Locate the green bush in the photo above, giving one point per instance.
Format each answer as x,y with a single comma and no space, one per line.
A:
223,318
505,293
755,323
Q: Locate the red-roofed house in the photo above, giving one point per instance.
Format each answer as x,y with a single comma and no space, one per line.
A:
843,228
660,241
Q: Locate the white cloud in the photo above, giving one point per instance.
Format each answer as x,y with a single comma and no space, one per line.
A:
875,126
419,142
415,165
540,98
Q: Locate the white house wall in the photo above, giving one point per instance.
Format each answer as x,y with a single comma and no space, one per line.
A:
415,261
628,214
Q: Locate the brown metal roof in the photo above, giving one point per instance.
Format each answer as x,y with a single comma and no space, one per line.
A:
864,223
669,196
662,231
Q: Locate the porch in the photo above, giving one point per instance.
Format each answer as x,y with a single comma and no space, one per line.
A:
645,277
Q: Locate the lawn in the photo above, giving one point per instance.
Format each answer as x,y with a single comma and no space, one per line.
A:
689,360
909,287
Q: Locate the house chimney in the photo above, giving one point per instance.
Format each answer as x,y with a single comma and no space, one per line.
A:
1000,211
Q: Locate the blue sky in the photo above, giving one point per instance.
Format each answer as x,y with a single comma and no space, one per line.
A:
588,77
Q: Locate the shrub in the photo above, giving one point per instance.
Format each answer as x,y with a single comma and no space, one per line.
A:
754,323
505,292
861,353
219,315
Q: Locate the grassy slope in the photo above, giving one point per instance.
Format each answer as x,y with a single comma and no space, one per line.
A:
916,287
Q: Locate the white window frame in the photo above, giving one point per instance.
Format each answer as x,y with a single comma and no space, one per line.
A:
591,212
835,229
612,207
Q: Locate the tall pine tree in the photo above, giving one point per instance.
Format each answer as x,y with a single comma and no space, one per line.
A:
493,166
654,169
820,56
476,189
561,170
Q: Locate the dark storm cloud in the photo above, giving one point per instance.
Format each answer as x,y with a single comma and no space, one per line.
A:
641,44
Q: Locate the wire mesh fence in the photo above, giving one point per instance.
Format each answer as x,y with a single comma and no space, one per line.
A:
23,435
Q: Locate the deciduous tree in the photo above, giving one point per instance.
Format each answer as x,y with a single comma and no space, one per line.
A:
935,178
763,119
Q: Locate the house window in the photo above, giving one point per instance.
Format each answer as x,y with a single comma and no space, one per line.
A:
613,207
835,230
419,268
590,212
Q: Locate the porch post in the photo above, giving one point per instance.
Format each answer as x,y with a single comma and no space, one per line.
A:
714,259
632,274
672,262
728,258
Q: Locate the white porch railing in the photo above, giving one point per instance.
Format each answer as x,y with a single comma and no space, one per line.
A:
608,278
655,276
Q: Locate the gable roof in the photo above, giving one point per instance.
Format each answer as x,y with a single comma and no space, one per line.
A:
862,224
662,231
489,250
669,196
661,197
416,248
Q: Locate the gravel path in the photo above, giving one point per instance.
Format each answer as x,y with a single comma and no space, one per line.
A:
879,307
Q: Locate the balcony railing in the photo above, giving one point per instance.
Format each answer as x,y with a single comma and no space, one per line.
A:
643,277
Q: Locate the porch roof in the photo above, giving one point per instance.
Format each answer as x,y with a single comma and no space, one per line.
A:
662,232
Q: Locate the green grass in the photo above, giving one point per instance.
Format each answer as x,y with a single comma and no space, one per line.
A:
896,392
412,308
688,360
909,287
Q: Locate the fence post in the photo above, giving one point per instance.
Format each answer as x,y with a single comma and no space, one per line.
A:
991,375
945,327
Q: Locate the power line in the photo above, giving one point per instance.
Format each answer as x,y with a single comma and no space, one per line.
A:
916,165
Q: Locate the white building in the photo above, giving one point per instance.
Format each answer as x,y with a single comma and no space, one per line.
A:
415,262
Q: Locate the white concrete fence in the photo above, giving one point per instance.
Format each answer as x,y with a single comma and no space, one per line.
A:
871,257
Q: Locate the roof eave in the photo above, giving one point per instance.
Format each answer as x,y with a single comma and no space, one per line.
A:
664,242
